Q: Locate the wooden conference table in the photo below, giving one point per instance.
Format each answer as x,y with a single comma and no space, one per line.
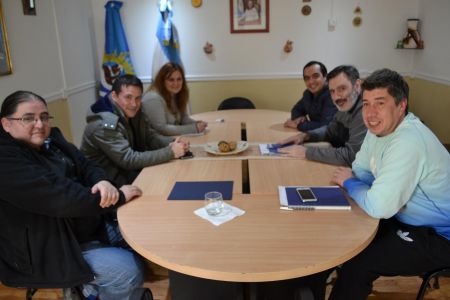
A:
266,243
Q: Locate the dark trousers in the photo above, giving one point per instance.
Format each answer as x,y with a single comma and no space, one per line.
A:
397,250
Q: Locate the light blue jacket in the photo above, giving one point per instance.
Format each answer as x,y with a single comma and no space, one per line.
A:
405,174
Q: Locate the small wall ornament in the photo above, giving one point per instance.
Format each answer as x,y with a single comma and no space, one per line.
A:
29,7
288,46
357,20
412,40
306,10
208,48
196,3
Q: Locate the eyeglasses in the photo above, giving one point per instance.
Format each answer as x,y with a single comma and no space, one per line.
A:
28,120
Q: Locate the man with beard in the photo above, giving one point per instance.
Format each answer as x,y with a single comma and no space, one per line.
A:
345,132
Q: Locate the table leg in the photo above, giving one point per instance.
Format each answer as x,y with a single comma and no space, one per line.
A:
186,287
250,291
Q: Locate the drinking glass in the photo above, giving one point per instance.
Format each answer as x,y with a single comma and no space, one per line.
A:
214,203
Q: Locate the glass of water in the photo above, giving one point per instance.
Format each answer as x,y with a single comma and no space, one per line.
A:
214,203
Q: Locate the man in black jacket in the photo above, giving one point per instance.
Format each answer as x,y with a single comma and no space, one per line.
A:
53,204
315,109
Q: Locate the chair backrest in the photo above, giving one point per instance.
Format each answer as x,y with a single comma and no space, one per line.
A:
236,103
427,277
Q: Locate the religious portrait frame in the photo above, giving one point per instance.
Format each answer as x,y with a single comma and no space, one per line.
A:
5,58
249,16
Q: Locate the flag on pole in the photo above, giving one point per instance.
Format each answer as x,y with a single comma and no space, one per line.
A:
167,47
116,59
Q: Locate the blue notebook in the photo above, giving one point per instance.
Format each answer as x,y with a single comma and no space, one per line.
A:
328,197
196,190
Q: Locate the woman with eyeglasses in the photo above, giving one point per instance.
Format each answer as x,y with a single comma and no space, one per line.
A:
53,208
166,102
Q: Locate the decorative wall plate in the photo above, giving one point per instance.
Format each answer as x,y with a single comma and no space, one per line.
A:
196,3
306,10
357,21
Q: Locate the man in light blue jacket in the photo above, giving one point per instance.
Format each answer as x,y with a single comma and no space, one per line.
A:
401,175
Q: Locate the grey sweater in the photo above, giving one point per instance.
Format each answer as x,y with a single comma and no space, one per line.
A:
162,119
345,133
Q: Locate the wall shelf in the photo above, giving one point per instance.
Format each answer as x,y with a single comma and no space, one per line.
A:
409,48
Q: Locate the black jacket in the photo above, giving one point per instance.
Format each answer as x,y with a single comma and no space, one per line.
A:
44,217
320,109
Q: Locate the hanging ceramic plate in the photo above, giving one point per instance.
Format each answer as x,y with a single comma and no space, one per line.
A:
306,10
196,3
357,21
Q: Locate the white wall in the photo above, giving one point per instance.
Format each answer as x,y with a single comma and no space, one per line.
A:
35,57
57,52
52,54
433,62
74,23
260,55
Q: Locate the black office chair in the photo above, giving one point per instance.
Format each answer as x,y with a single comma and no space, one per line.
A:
427,277
236,103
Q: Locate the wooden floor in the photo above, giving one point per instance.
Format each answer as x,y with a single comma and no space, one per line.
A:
386,288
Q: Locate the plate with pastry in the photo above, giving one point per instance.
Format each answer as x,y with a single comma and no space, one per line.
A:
226,147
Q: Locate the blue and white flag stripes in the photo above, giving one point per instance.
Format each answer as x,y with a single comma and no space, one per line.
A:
116,59
168,44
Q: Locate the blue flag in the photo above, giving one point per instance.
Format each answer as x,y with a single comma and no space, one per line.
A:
116,59
167,36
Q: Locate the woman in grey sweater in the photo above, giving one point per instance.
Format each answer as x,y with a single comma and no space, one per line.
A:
165,103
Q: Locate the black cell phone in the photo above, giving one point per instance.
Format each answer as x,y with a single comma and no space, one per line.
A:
306,194
187,155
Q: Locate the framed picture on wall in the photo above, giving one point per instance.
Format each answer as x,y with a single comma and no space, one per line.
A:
5,59
248,16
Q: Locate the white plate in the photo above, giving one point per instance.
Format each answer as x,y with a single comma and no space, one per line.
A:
213,148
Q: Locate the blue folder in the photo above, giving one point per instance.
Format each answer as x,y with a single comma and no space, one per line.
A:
327,198
196,190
